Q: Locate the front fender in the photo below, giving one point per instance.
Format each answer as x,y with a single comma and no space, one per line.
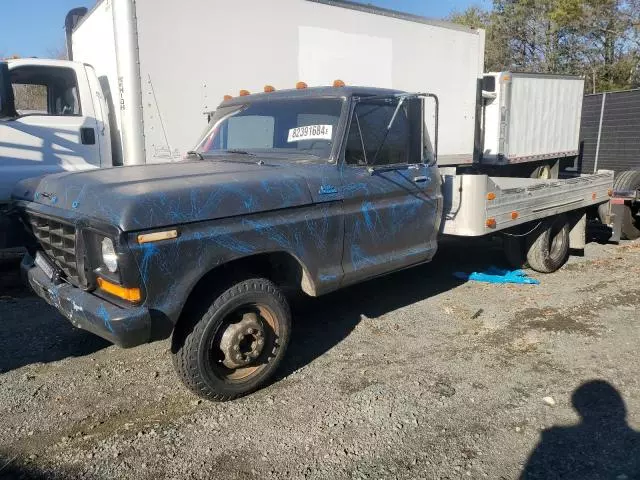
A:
170,269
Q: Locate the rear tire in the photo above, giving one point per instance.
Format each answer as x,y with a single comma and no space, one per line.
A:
548,245
253,316
629,180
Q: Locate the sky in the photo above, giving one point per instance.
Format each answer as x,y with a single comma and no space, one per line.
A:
35,28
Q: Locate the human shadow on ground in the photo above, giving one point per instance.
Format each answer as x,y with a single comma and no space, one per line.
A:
601,446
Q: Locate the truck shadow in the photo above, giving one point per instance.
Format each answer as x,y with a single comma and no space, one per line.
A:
14,468
32,331
321,323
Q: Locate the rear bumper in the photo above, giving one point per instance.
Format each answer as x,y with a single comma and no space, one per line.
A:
125,327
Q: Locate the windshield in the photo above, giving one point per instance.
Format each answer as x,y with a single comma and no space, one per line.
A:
299,126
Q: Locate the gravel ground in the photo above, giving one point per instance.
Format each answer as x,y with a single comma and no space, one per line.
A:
415,375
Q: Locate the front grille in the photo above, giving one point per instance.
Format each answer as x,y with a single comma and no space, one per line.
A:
58,240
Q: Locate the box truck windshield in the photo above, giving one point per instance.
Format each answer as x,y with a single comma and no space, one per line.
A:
305,127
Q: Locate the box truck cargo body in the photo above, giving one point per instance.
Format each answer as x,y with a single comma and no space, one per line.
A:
167,63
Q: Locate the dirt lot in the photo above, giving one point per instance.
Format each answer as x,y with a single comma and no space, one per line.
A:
416,375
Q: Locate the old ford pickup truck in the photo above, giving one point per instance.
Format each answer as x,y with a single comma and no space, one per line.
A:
304,187
313,188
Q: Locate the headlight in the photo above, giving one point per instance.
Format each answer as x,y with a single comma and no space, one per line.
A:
109,256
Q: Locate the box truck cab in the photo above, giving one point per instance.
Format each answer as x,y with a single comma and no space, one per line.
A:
53,118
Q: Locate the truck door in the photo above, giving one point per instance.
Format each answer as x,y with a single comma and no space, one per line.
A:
391,200
54,127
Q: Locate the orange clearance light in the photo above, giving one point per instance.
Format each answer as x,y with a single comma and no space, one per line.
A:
491,196
610,192
514,215
491,223
244,93
228,97
593,196
269,89
301,85
338,83
129,294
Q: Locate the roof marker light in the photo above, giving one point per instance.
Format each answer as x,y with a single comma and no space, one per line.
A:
269,89
338,83
301,85
228,97
244,93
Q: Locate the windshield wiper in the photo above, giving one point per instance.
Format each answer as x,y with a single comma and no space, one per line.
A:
193,153
239,152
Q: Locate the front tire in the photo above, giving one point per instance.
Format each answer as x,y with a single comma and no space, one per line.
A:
236,346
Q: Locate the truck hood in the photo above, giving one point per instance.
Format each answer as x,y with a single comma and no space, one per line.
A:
157,195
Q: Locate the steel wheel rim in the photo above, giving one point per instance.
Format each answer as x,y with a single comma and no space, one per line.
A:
270,349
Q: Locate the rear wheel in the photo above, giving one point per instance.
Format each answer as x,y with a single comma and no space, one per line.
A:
235,347
628,181
548,245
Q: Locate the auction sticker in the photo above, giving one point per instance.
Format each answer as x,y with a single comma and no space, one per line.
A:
310,132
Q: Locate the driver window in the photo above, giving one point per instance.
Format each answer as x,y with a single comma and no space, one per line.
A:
42,90
367,134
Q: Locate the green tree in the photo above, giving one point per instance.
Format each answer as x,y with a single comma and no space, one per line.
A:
599,39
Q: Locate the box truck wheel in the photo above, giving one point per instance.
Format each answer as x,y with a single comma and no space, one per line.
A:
548,245
629,181
236,346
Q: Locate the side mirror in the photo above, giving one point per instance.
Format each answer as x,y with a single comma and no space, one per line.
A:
7,102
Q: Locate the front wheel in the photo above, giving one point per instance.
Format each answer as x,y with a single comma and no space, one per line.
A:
235,347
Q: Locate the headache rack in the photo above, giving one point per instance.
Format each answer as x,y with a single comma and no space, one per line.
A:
58,240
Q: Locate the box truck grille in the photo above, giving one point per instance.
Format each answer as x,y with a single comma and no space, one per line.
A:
58,240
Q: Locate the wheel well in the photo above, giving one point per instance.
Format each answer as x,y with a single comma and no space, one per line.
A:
281,268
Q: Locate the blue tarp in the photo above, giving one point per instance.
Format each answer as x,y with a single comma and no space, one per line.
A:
498,275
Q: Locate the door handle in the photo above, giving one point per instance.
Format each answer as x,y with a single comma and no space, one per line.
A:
420,179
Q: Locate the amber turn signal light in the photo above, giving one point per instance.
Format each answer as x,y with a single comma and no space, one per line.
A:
128,294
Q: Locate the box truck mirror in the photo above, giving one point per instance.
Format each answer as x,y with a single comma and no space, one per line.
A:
7,102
